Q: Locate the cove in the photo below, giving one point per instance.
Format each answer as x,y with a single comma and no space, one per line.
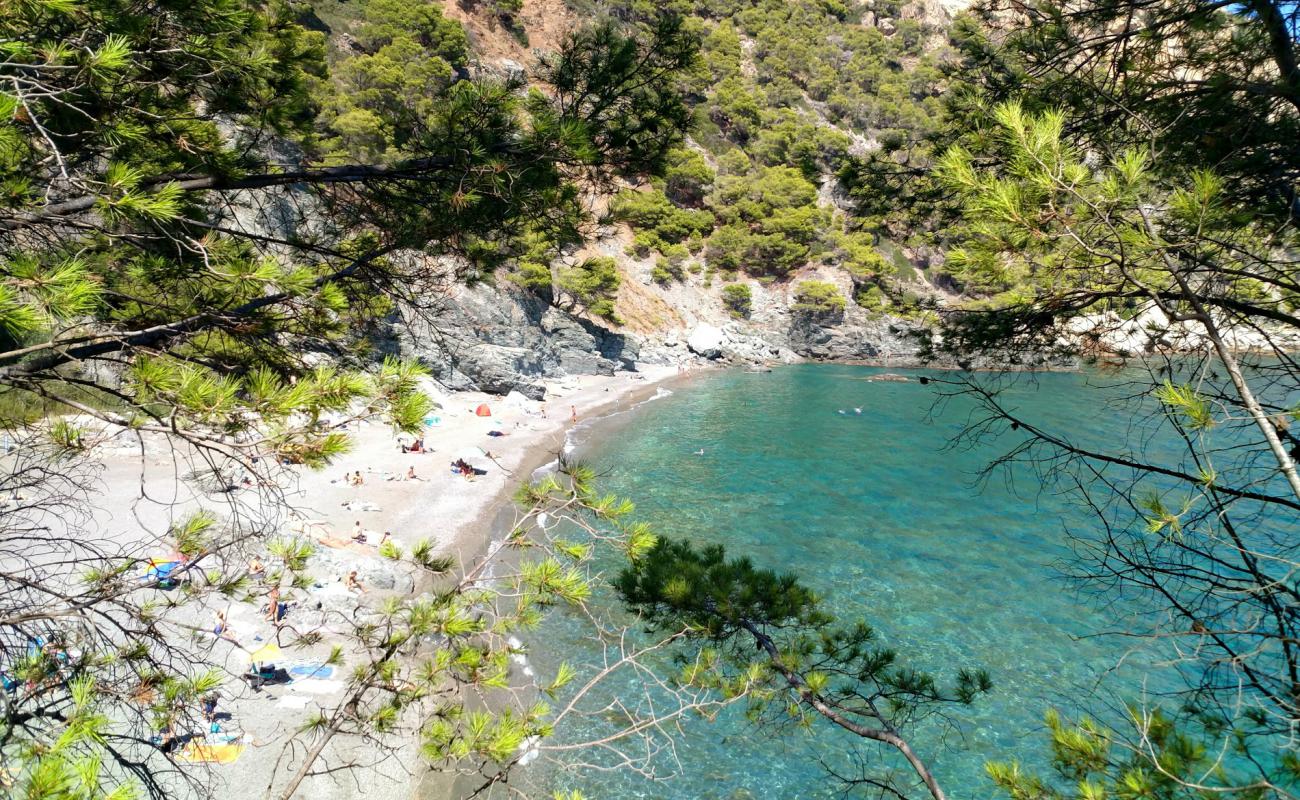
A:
880,513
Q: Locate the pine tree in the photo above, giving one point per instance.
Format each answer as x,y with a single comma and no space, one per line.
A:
142,289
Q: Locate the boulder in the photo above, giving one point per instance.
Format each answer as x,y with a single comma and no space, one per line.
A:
375,572
502,339
706,341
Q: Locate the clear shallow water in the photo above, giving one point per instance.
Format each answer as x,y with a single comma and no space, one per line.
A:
883,517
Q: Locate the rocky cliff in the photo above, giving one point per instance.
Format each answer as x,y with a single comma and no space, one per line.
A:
496,337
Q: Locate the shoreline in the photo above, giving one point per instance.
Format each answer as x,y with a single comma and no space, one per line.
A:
141,491
471,541
475,541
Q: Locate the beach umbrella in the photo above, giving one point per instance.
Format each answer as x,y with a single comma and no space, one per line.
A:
483,410
267,652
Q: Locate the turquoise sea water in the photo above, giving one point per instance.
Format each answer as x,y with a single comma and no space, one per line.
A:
882,515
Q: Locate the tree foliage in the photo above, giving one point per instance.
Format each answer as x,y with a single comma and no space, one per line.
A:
755,633
738,299
818,299
1103,215
784,95
593,284
204,222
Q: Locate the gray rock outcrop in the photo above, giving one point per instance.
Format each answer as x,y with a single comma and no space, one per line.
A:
500,339
706,341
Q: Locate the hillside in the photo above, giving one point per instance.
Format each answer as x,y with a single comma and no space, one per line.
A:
745,249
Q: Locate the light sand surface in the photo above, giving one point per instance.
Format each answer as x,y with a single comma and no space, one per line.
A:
444,507
142,491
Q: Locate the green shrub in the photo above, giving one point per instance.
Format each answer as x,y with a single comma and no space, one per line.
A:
675,254
593,284
818,299
738,299
859,257
665,271
657,222
872,298
688,178
534,277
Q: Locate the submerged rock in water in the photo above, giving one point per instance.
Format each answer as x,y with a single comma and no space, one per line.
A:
889,377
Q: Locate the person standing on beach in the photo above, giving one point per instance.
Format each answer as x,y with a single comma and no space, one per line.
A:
573,413
209,708
273,605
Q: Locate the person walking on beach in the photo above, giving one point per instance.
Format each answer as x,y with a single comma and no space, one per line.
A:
573,413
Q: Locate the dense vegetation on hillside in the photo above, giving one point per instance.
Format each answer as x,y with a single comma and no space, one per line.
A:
788,95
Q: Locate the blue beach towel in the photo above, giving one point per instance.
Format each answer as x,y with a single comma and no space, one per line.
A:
311,671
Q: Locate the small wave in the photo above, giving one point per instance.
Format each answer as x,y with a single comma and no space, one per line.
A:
576,435
545,469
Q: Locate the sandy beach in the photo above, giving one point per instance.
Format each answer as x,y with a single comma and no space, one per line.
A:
143,493
445,507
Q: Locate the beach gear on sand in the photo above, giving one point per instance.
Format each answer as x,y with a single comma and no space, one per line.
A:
161,571
267,652
311,670
483,410
204,753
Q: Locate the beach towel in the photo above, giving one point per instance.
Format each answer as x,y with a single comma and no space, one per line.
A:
311,670
316,686
204,753
346,544
267,652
